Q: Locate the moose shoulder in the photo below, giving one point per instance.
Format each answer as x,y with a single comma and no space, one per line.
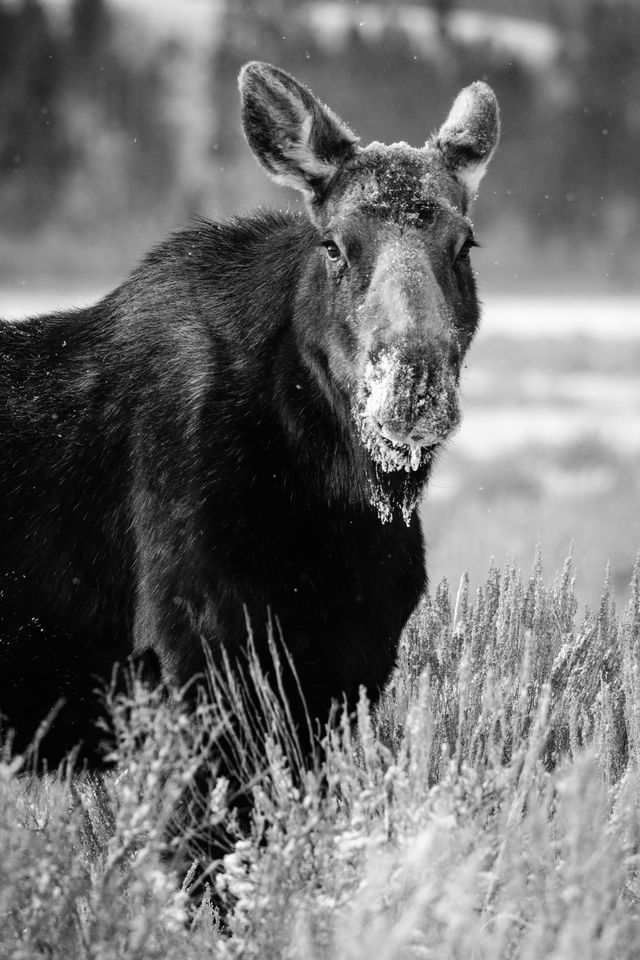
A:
244,427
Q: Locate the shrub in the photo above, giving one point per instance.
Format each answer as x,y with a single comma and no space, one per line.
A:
487,807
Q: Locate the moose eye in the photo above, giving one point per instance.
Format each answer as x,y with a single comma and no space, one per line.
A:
465,250
333,250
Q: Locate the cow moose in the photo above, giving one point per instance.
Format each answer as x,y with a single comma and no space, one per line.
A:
243,429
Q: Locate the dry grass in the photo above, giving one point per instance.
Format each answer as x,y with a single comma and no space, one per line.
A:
487,809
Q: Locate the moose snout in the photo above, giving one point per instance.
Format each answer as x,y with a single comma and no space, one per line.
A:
411,398
397,431
409,391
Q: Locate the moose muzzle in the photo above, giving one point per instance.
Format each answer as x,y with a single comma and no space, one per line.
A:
409,387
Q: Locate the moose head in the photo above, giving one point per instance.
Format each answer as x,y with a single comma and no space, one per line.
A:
391,263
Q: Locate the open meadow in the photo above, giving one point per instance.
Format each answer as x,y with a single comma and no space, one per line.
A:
163,476
549,448
489,806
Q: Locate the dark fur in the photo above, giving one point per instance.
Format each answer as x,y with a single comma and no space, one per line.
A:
184,453
167,459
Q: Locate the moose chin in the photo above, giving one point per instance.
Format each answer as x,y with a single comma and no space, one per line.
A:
242,429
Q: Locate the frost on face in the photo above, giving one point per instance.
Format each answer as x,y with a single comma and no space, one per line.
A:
401,418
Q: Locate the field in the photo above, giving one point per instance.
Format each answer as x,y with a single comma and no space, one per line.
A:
487,809
549,447
489,806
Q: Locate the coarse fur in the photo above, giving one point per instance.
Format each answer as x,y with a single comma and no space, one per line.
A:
241,430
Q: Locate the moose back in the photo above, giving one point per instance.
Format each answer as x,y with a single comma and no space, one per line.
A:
243,429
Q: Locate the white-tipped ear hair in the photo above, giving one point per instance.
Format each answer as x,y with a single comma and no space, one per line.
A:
470,134
298,140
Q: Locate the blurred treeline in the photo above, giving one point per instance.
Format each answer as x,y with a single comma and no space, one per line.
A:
99,148
83,131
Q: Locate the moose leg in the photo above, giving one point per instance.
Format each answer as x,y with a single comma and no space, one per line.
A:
182,619
52,677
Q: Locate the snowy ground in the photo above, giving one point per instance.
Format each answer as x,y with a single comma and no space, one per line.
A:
527,318
549,447
24,302
604,318
535,393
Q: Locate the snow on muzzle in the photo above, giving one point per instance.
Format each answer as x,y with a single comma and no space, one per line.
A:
408,390
406,407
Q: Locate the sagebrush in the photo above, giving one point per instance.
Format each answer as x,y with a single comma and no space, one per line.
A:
487,808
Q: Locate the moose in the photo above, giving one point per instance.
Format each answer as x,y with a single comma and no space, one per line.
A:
242,431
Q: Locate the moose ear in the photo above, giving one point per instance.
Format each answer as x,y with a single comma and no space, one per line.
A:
470,134
298,140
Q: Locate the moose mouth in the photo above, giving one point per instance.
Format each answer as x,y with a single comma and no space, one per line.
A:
404,412
401,450
393,453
